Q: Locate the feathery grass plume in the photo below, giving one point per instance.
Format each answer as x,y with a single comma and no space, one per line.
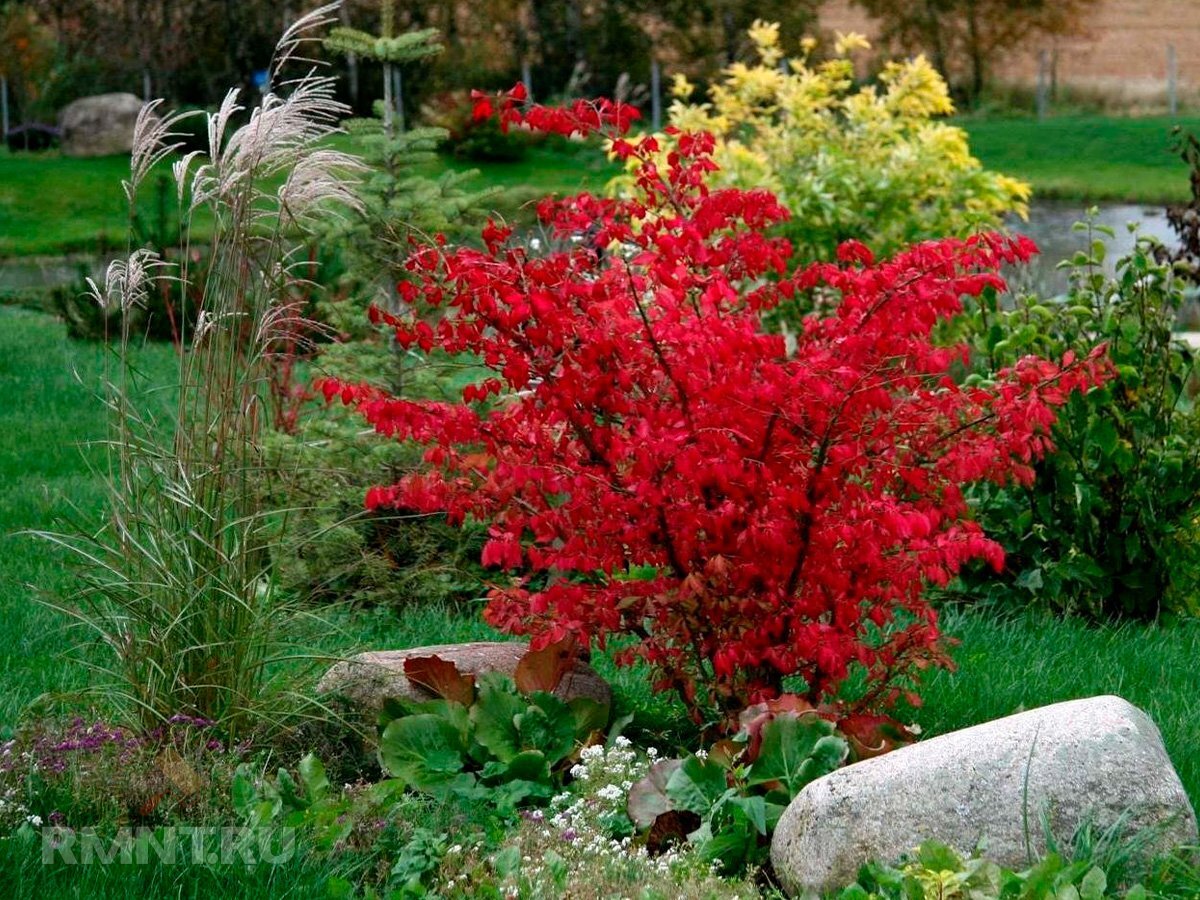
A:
178,580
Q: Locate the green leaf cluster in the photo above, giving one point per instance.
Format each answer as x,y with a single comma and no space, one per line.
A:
1109,527
738,802
936,870
506,747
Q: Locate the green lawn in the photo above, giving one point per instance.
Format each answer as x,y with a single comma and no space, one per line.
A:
1090,158
1004,664
51,204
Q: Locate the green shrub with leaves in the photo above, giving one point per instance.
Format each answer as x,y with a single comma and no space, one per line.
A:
1109,527
479,140
333,550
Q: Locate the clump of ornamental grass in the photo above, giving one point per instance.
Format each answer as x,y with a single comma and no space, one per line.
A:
176,581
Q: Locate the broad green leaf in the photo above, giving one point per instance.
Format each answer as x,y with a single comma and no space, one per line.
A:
312,774
795,751
1103,434
425,750
507,862
242,791
1094,884
591,716
696,786
547,725
289,791
648,797
755,810
494,717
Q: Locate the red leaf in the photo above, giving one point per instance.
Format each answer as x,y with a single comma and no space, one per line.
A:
441,678
543,670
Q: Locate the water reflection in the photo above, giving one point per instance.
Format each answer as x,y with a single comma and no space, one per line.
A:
1050,227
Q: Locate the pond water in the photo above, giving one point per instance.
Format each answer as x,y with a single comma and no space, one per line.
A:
49,271
1050,227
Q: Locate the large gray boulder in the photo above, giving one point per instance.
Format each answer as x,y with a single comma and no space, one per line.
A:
1090,759
99,126
366,680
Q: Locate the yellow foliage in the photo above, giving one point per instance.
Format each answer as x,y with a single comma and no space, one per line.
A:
873,163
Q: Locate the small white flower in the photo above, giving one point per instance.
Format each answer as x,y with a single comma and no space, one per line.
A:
34,820
609,792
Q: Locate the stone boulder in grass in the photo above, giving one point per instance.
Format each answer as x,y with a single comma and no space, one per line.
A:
99,126
1092,760
364,681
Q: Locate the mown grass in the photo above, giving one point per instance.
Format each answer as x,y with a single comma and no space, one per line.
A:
51,204
50,411
1008,663
1087,157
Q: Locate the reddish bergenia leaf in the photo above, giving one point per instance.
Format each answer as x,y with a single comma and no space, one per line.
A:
873,735
543,669
441,678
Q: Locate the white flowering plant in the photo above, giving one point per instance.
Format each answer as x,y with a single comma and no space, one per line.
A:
583,845
726,802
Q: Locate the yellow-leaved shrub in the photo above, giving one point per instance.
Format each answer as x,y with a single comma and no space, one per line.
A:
871,163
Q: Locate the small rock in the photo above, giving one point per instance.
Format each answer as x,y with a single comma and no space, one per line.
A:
1084,760
367,679
99,126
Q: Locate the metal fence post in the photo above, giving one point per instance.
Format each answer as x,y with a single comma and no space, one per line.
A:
1043,84
1172,81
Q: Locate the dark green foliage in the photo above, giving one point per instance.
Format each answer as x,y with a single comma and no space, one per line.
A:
478,140
333,550
1108,529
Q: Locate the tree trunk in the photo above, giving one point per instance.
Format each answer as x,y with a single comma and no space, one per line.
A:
975,54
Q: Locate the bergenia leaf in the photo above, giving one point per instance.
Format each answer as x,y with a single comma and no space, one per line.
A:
441,678
796,751
543,670
648,797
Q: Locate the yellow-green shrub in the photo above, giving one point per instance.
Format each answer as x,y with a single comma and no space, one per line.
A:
871,163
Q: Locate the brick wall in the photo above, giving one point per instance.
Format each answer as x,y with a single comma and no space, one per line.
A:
1122,51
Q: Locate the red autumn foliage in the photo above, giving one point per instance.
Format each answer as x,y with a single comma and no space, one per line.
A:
789,504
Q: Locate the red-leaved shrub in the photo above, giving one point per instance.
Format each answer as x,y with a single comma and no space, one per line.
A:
672,474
